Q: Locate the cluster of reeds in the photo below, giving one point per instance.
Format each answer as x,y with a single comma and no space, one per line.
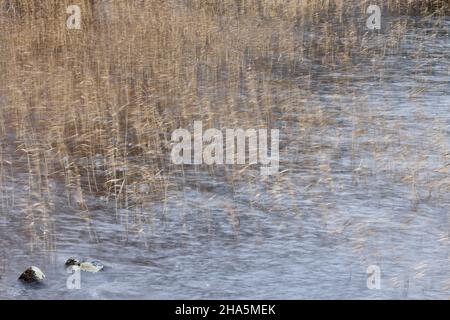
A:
93,109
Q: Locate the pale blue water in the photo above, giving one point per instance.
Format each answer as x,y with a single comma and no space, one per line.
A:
308,233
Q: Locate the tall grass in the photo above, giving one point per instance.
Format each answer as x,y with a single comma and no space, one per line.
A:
93,109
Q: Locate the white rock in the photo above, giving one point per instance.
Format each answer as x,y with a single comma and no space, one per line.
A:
91,266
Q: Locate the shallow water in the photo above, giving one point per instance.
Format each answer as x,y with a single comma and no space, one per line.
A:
310,232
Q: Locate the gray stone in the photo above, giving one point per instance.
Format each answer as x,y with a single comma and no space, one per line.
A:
32,275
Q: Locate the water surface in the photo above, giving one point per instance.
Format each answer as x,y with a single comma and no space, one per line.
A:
374,194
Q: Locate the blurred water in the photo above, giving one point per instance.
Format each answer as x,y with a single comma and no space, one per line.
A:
309,233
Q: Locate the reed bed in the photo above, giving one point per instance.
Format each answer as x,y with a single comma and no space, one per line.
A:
94,109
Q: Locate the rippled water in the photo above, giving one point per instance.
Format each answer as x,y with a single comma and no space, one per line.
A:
311,232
